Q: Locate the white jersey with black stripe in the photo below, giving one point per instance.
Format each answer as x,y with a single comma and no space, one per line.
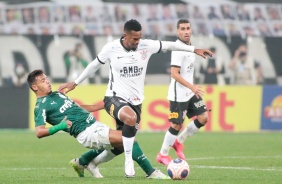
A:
185,61
128,68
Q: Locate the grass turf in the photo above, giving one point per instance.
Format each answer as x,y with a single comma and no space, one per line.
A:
213,158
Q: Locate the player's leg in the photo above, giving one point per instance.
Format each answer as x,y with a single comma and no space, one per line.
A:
79,164
176,115
121,110
197,108
138,156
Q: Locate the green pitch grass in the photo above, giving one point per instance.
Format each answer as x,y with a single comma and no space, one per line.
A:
213,158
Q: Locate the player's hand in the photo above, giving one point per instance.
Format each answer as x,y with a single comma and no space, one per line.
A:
204,53
198,90
66,87
68,122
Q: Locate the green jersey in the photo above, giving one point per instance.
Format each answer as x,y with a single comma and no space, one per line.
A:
54,107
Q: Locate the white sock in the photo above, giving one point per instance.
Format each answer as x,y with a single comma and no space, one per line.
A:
103,157
128,145
169,140
190,130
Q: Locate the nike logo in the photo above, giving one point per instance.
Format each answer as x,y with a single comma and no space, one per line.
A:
119,57
52,103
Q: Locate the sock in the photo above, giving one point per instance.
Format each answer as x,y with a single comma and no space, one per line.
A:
190,130
128,136
86,158
105,156
169,140
139,157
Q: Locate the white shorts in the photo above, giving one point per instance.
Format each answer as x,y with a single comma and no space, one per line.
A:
95,136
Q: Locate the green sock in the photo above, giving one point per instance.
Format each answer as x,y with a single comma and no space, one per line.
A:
139,157
86,158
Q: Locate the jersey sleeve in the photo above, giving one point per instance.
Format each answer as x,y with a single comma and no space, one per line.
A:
39,116
104,55
176,58
155,45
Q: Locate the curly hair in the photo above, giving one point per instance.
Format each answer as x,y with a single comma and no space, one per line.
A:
132,25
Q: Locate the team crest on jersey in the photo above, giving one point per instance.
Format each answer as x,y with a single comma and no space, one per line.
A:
144,54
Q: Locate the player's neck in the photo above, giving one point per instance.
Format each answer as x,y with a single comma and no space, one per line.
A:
40,95
186,42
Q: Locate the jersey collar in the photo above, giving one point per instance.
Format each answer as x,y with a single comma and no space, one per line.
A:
128,50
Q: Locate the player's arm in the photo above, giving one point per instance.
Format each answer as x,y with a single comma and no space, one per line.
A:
175,73
90,69
41,131
176,46
93,108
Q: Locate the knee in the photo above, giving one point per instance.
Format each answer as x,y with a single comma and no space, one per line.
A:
130,119
176,126
203,119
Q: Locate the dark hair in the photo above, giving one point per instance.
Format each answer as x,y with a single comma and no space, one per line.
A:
182,21
132,25
32,77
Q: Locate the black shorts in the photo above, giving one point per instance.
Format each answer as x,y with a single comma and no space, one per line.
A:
113,104
179,110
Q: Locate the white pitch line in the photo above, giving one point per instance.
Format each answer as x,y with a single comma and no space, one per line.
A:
235,168
234,157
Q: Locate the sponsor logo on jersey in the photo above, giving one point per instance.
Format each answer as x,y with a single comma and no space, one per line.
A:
173,115
199,104
131,71
112,108
144,54
67,104
89,118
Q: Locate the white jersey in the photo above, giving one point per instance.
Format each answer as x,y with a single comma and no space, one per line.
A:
128,68
185,61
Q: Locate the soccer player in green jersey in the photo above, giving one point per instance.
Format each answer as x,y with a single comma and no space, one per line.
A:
64,114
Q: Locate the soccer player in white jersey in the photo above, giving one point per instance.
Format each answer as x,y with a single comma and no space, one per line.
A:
128,57
185,98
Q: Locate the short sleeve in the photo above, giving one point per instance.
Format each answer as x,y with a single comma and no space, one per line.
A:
155,46
39,116
176,58
104,55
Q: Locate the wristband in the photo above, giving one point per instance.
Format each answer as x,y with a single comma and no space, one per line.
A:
61,126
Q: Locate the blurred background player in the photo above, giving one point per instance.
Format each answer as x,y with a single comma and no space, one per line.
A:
185,98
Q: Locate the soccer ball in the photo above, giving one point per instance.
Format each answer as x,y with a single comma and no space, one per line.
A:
178,169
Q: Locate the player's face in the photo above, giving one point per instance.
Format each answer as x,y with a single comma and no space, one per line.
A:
132,39
42,85
184,32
